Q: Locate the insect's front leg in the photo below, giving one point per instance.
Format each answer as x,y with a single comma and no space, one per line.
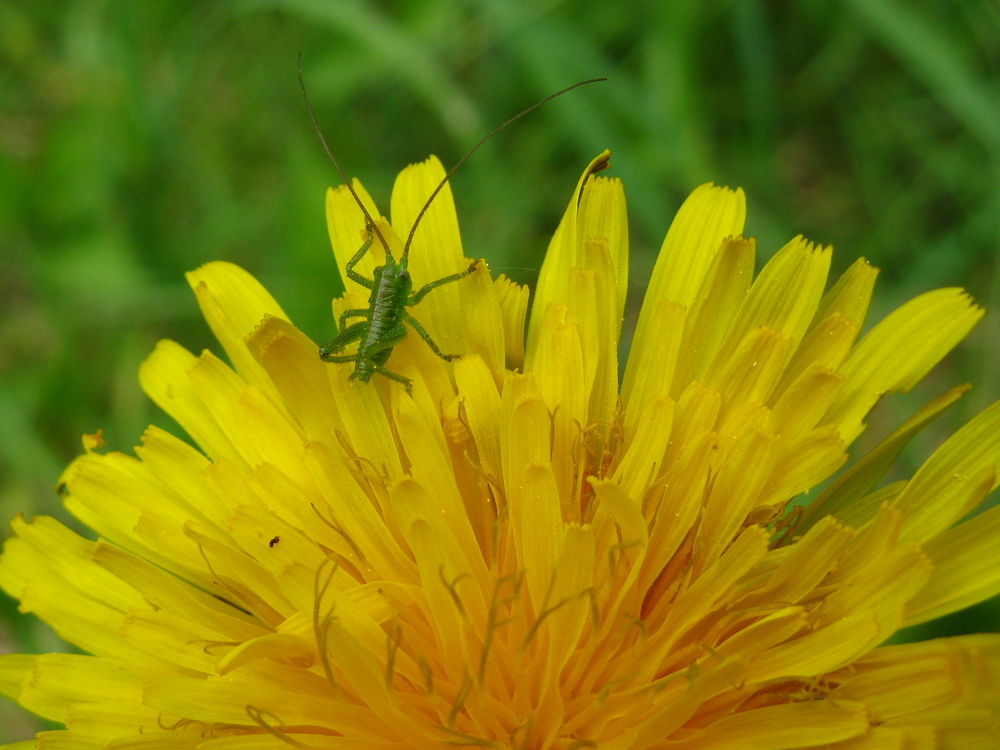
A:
422,292
345,337
351,273
427,337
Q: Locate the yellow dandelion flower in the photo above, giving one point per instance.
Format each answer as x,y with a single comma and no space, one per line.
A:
524,553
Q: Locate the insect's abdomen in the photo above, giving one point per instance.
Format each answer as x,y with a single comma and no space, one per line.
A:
388,297
386,300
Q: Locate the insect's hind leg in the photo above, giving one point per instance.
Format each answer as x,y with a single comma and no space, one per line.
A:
427,337
422,292
354,275
407,383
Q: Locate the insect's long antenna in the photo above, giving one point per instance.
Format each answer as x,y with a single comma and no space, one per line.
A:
347,182
413,229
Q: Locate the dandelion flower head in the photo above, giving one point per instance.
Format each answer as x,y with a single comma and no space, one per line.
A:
525,552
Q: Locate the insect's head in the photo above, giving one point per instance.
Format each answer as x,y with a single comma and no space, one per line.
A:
394,271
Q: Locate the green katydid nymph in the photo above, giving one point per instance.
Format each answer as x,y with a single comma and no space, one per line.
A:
384,321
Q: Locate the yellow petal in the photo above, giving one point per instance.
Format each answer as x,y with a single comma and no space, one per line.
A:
706,217
366,428
632,548
169,593
841,498
677,704
826,345
882,589
482,408
783,298
700,598
603,220
423,442
849,297
582,309
13,669
74,678
598,284
527,445
712,313
801,405
234,303
165,377
807,563
353,512
541,534
644,449
84,604
289,358
650,369
696,414
677,511
561,379
513,300
436,250
735,492
346,225
564,253
792,725
965,570
752,372
226,699
928,504
821,650
765,634
801,464
437,245
605,329
899,351
483,321
898,683
446,579
571,584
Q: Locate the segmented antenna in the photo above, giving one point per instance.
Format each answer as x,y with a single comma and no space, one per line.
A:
433,195
350,186
536,105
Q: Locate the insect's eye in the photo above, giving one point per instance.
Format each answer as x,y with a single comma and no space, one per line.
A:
403,275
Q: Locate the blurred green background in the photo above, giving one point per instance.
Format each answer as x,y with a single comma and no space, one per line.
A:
139,140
